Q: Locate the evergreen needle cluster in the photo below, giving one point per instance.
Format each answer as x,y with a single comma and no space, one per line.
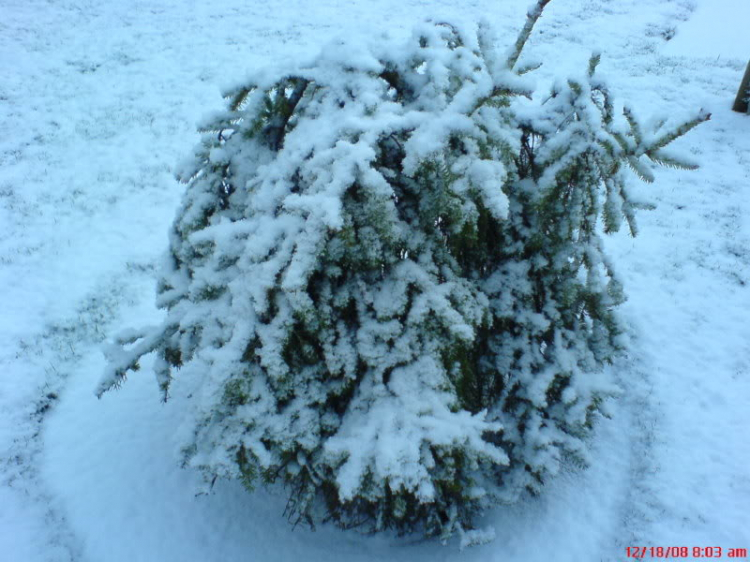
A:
386,286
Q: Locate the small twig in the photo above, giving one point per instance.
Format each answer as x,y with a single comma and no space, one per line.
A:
531,18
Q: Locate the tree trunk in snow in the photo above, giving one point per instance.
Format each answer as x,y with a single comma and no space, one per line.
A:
740,103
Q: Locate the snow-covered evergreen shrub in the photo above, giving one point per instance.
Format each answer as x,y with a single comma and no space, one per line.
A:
386,284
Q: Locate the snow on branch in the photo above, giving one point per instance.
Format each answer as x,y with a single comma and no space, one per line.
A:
532,16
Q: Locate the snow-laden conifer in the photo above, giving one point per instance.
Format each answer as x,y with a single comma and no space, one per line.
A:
386,283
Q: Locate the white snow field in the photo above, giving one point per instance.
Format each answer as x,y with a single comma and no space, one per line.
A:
98,102
714,31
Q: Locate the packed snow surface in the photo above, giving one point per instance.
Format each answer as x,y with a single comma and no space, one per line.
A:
98,103
714,30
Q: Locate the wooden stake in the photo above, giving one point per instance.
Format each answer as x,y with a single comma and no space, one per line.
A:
740,103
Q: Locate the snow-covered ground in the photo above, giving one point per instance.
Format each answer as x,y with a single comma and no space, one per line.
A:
715,30
98,102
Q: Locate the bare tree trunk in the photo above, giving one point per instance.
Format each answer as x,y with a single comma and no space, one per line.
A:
740,103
